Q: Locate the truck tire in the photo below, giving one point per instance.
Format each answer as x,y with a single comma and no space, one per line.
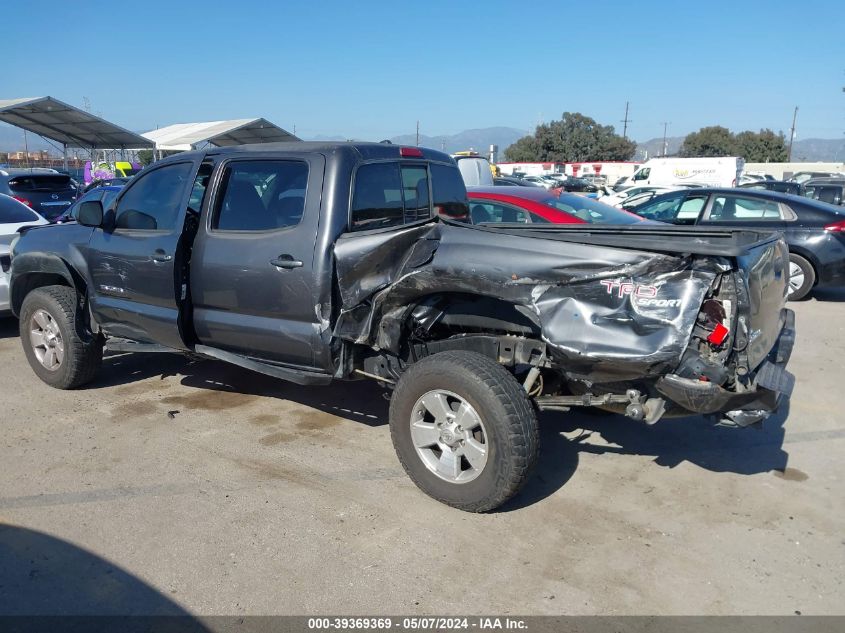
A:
464,430
55,341
802,277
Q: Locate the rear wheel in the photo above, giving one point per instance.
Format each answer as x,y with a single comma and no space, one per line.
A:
464,430
802,277
59,349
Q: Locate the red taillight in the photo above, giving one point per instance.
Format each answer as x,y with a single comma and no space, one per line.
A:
23,200
410,152
836,227
718,335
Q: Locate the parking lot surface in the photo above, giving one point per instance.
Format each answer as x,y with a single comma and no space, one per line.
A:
173,486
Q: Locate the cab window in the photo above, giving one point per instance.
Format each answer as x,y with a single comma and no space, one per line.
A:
261,195
390,194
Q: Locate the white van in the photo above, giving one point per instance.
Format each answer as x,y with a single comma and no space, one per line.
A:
707,172
475,170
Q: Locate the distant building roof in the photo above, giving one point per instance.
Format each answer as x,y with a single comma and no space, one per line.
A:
58,121
186,136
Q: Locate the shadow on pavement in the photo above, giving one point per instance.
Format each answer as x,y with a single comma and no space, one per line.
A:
671,441
41,575
828,294
8,327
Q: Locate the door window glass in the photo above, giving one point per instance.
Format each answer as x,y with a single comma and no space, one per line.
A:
737,209
489,212
449,191
153,202
261,195
199,188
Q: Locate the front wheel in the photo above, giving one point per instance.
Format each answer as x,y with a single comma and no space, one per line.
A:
464,430
802,277
58,347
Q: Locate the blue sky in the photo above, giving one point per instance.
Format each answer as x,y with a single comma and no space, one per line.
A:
369,70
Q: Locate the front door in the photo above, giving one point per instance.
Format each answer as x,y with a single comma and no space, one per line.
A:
135,292
252,269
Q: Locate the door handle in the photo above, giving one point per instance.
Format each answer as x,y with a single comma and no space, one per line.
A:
286,261
160,257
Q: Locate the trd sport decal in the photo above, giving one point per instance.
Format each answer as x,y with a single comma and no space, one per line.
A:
640,295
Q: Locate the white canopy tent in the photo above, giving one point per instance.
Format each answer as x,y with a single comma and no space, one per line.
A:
68,125
187,136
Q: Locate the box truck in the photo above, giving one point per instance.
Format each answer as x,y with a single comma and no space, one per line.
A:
708,172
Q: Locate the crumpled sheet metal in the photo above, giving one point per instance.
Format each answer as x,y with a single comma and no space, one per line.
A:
607,314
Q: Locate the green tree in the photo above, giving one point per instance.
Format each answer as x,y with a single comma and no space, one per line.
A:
525,150
575,138
709,141
761,147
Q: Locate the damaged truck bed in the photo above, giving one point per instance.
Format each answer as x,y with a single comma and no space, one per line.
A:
314,262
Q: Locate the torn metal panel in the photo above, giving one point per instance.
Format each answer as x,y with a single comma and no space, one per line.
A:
607,313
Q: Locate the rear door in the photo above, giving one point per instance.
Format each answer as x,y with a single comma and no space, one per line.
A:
136,292
252,268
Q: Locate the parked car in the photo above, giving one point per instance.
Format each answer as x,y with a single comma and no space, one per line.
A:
803,176
15,215
831,190
45,191
508,181
578,184
120,180
617,198
538,181
105,195
5,265
782,186
814,231
316,262
538,206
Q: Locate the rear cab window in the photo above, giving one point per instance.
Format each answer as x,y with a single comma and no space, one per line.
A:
393,193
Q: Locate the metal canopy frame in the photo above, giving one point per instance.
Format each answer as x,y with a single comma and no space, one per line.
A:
187,136
68,125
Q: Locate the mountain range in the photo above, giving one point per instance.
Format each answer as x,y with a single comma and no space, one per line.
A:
809,149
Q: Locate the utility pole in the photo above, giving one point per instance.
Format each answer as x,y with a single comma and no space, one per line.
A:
791,136
665,147
625,122
418,133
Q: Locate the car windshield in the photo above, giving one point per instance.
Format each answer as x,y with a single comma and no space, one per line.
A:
591,211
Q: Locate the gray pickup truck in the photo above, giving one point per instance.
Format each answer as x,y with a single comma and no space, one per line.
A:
320,262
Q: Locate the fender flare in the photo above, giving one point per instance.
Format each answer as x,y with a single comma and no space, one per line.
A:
36,270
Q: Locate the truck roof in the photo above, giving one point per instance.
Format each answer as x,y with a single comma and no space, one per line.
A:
365,151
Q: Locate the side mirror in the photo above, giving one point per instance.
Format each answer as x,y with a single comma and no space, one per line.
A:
90,213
